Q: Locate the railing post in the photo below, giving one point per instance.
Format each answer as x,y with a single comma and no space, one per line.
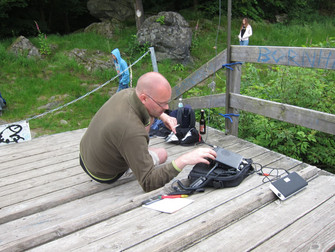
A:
228,78
234,87
153,59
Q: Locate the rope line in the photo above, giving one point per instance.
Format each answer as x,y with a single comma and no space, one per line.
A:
231,64
87,94
229,116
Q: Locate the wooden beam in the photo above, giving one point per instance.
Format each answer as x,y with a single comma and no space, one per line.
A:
323,58
300,116
199,102
199,75
309,118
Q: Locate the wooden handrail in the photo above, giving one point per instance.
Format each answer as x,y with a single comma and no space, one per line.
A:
323,58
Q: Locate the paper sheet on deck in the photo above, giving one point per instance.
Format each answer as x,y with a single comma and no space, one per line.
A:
169,205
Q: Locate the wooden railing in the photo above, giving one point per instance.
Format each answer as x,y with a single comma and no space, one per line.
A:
323,58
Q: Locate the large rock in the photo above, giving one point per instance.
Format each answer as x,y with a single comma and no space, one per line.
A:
104,28
92,60
119,10
22,46
170,35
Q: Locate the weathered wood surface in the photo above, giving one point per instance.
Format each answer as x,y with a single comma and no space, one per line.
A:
309,118
311,57
199,75
49,204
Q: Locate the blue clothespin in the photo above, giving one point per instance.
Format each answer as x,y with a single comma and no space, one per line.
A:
229,116
230,64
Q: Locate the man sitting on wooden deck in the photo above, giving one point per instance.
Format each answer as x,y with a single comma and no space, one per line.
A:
117,137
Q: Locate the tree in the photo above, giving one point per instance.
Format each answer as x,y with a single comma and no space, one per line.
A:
139,13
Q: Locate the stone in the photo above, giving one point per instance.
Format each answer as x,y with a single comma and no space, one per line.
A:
120,10
170,35
22,46
282,18
104,28
63,122
92,60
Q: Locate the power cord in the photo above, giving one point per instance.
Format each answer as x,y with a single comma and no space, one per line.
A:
270,173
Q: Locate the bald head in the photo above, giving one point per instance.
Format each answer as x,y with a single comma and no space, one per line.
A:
152,83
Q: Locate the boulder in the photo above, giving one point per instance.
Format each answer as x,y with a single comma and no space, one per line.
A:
92,60
120,10
104,28
22,46
170,35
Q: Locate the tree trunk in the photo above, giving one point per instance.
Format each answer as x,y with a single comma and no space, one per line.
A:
139,13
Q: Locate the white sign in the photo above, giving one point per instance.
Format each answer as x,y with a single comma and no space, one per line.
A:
14,132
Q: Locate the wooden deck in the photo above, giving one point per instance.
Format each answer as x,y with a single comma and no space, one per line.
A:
49,204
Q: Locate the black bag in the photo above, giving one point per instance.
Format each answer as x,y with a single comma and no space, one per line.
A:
187,134
222,175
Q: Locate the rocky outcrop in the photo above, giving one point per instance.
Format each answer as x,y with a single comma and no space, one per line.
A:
92,60
115,10
22,46
104,28
170,35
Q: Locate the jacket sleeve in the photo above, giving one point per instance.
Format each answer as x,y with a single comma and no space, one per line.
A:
248,32
135,151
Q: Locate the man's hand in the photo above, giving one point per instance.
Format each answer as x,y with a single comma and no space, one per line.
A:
199,155
169,121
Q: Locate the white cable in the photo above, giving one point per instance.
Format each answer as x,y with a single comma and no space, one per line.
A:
92,91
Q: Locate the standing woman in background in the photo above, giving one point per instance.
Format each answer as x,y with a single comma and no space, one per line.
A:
245,32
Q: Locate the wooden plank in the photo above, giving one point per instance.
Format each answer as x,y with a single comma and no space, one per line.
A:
312,57
38,164
21,164
309,118
108,232
41,143
199,102
52,219
29,180
281,225
305,117
313,231
199,75
54,198
177,237
57,186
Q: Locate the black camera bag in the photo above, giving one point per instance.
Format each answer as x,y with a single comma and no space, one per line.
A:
221,176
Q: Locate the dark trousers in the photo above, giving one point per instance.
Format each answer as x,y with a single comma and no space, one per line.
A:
108,181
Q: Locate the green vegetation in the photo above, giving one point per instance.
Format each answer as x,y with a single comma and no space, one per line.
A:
29,84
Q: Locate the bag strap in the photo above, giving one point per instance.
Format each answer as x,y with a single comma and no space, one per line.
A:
199,183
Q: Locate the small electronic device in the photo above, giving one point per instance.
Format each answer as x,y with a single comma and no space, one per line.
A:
228,158
288,185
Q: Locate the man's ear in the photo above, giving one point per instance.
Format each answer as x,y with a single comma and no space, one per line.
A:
143,98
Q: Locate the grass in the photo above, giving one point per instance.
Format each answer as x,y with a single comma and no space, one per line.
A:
29,84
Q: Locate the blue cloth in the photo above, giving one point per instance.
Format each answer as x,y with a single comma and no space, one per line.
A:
2,102
120,66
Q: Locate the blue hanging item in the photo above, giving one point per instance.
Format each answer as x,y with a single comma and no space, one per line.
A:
229,116
231,64
2,102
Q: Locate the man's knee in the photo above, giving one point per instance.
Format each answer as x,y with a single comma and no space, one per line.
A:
159,155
